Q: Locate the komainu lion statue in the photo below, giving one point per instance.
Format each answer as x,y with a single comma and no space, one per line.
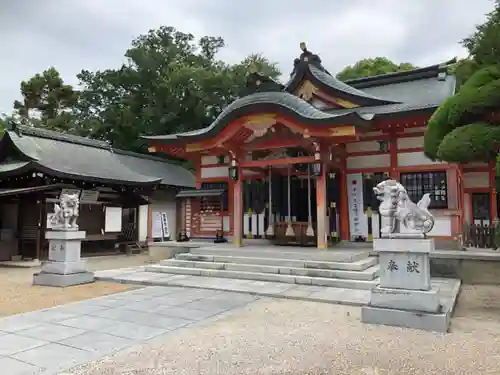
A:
398,208
66,212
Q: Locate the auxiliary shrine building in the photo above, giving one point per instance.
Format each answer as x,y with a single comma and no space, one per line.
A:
297,162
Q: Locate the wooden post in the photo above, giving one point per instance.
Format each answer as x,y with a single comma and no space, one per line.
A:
321,229
41,227
344,202
270,228
393,148
289,229
149,237
493,193
238,210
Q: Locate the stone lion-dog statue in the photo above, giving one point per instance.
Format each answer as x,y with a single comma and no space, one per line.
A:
398,208
66,212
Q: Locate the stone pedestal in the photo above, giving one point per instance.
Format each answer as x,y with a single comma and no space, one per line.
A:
64,267
405,296
404,263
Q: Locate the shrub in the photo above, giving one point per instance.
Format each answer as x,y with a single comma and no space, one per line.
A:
473,142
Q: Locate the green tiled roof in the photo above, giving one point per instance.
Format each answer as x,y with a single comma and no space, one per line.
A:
75,157
271,101
396,94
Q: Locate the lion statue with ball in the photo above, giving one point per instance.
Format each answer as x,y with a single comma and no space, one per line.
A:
398,208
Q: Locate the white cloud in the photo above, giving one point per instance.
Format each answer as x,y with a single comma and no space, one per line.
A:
94,34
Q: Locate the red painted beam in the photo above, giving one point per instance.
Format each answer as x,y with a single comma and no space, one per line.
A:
264,163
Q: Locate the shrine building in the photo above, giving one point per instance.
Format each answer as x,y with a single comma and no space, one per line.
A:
297,162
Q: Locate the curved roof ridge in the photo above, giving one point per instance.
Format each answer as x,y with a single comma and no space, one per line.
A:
397,77
336,83
243,106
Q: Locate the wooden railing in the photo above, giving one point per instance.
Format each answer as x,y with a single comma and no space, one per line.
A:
485,236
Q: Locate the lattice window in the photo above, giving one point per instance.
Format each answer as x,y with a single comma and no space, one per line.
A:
210,205
225,195
434,183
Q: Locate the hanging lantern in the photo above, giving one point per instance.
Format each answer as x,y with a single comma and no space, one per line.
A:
317,168
233,171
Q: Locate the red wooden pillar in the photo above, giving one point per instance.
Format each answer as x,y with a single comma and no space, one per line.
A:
493,192
393,148
322,225
197,168
238,210
344,201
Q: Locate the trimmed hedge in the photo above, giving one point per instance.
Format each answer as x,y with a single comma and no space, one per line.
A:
437,128
473,142
473,104
482,77
476,99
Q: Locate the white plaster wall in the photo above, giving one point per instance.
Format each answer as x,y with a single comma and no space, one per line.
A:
410,142
248,172
164,201
210,172
415,130
369,161
142,223
212,160
475,164
208,160
169,207
406,159
372,134
362,146
476,179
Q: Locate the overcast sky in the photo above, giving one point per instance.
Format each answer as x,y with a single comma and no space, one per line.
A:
94,34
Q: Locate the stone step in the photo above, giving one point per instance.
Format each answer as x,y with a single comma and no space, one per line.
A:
368,274
290,279
358,265
313,254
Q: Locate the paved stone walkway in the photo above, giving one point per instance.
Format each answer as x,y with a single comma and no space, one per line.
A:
52,340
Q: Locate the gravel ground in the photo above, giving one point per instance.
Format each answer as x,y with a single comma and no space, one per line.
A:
18,295
294,337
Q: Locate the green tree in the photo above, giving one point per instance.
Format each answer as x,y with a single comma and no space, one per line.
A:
170,83
372,67
4,123
483,45
47,101
466,126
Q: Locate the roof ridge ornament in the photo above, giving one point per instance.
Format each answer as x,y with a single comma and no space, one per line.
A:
307,57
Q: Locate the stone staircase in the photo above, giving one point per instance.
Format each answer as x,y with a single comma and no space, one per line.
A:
348,268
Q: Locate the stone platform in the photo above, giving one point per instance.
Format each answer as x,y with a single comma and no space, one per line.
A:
65,266
439,322
406,296
356,297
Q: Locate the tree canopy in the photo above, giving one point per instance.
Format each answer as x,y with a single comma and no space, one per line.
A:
466,126
372,67
170,82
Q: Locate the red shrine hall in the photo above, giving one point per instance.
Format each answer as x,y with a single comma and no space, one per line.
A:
296,162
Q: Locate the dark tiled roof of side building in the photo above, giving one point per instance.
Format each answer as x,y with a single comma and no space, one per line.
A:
79,157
